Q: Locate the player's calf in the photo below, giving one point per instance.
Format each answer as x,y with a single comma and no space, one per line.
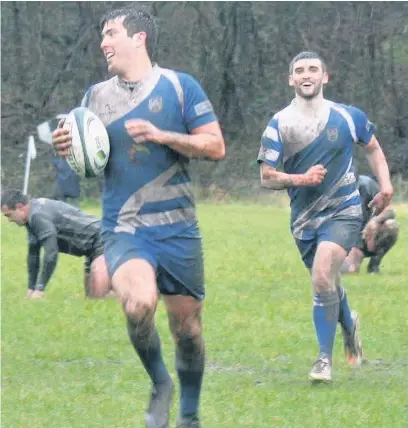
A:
186,327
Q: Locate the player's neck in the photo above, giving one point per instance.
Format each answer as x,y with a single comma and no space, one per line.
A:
310,106
139,70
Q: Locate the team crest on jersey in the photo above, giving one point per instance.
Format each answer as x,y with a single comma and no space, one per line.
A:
332,134
156,104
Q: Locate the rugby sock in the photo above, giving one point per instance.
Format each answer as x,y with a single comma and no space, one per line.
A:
344,310
325,317
147,345
190,369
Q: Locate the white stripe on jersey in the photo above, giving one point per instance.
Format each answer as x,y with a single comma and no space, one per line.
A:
348,118
271,133
172,76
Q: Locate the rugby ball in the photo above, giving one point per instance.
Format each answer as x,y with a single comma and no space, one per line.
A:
89,152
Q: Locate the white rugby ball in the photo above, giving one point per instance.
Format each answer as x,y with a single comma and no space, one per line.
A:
90,148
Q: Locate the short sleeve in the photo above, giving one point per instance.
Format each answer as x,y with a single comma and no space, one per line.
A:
41,227
364,128
198,110
271,148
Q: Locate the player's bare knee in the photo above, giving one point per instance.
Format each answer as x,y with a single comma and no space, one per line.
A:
322,282
138,308
354,268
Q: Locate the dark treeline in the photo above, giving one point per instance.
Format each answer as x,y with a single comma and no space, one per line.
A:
240,52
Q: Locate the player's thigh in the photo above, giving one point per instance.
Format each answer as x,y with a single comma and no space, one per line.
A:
328,260
132,263
181,268
335,239
353,260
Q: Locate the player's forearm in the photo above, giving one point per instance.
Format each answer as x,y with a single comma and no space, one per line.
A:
49,263
379,166
277,180
33,265
196,145
387,214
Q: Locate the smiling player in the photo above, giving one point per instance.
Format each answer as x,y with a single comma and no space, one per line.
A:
157,120
313,138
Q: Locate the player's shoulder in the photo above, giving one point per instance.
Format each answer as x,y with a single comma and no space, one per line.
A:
102,87
352,110
184,79
281,115
40,208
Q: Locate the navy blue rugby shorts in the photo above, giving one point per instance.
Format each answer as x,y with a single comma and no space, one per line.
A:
344,231
177,261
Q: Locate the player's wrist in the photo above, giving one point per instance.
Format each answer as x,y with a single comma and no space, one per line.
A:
303,180
164,137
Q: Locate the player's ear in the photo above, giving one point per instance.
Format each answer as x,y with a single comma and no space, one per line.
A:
290,80
325,77
140,39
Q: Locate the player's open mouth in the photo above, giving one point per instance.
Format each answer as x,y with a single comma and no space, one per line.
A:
306,85
109,55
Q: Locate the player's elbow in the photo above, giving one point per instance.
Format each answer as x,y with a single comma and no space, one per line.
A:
219,152
269,180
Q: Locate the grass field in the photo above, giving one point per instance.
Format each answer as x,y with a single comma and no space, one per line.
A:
67,362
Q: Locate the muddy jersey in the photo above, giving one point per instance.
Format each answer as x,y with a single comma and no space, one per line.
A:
76,231
147,186
326,138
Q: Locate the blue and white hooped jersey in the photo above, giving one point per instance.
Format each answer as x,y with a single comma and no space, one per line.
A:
300,142
147,186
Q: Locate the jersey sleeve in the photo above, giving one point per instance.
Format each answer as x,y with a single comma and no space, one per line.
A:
42,227
198,109
271,148
364,128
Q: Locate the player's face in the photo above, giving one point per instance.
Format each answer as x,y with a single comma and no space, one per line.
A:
308,77
118,48
17,216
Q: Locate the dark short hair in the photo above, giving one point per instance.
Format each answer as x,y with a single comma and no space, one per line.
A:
12,197
306,55
136,20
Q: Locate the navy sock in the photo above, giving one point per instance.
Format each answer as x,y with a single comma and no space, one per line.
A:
147,346
325,317
190,369
344,310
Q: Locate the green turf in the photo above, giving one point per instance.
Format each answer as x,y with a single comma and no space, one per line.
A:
67,362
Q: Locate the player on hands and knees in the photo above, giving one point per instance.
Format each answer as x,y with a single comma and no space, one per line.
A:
157,120
57,228
313,138
378,235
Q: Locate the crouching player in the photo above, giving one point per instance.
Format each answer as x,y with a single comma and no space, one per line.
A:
57,228
378,234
